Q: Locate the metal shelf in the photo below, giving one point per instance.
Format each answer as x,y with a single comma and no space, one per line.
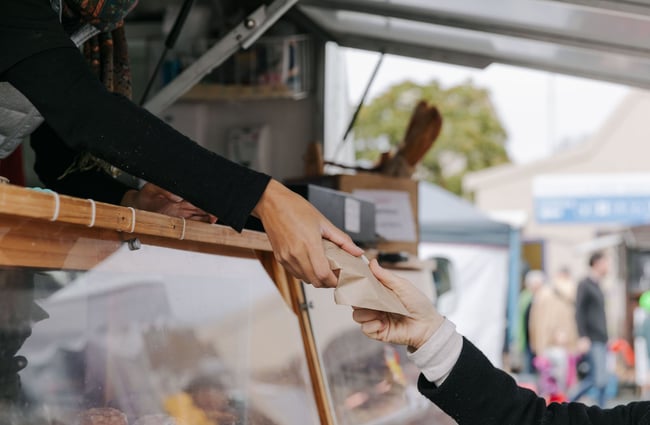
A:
219,92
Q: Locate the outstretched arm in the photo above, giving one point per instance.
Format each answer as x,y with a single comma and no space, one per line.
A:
54,158
88,118
459,379
475,392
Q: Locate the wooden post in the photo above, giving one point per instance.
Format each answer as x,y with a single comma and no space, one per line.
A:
313,360
291,290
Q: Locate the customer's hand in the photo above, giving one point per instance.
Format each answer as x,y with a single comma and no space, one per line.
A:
296,229
156,199
390,327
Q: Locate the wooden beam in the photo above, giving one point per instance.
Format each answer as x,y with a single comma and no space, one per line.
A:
21,202
41,244
27,242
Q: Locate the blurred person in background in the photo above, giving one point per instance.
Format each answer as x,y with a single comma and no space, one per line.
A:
533,281
553,331
591,321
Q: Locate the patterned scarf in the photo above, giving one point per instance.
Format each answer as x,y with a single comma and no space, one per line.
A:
106,53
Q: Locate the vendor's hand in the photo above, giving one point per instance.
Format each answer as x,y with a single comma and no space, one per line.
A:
394,328
296,229
156,199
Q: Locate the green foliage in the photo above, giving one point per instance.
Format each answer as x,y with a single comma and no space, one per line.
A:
472,136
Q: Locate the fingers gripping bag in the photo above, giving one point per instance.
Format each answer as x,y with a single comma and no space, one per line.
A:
357,286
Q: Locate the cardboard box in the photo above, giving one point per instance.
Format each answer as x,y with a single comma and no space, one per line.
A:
377,182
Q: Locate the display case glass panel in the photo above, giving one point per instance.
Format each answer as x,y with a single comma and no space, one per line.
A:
369,382
147,335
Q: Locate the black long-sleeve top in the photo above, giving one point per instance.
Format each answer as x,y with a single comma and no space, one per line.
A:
477,393
53,158
590,311
37,57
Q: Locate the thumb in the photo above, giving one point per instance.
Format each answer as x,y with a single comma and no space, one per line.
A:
387,278
335,235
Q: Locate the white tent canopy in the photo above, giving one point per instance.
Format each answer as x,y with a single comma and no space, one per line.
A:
446,218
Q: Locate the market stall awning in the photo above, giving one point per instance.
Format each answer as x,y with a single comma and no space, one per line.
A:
447,218
601,39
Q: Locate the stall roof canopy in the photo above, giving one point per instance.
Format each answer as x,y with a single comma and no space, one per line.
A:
601,39
446,218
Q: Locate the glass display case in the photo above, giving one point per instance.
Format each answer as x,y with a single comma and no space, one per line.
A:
139,320
114,316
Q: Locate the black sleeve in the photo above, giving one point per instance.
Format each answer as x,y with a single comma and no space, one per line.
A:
582,305
53,158
26,28
478,393
88,118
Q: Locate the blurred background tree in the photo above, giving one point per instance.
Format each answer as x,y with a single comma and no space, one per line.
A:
472,136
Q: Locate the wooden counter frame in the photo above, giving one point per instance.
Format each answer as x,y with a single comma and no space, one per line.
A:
35,240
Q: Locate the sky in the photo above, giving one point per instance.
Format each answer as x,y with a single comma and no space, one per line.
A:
540,110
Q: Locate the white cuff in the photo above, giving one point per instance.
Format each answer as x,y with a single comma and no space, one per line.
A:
437,357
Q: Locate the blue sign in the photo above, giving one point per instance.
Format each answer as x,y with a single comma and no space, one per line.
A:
598,209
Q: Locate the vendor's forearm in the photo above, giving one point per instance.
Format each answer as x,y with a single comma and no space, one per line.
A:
53,158
87,117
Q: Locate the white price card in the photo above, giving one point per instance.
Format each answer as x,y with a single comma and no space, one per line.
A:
352,222
394,215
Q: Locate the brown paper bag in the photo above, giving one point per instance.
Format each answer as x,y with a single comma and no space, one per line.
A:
357,286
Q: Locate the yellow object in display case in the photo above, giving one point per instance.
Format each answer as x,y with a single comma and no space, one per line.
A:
181,407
